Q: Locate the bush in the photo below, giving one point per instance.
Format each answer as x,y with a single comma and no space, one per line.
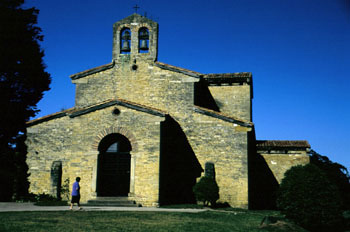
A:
308,198
206,190
336,173
45,197
65,193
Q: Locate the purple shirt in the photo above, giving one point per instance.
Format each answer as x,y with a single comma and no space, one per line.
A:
76,189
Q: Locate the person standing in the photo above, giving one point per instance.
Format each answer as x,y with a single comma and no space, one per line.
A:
76,194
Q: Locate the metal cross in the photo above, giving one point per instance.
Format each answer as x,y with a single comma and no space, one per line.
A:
136,7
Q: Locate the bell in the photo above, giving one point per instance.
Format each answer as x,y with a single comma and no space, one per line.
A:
126,46
144,45
144,34
126,35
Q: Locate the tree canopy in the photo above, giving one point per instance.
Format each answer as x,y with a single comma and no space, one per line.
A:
23,78
309,198
336,173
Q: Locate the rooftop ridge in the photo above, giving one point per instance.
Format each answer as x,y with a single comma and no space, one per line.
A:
228,75
92,71
282,143
75,112
177,69
223,116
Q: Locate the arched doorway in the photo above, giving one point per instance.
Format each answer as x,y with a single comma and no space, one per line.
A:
113,173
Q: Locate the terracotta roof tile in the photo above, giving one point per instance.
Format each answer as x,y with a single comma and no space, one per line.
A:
50,116
74,112
228,75
282,144
92,71
143,106
177,69
223,116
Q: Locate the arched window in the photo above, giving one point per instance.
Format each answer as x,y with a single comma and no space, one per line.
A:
143,40
125,38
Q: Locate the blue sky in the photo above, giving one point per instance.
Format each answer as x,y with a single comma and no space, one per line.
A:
297,50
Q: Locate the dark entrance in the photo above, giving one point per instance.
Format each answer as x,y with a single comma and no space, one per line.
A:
113,173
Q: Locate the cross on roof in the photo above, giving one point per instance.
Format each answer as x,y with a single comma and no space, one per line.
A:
136,7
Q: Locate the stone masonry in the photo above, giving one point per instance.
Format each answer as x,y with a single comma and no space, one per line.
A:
176,120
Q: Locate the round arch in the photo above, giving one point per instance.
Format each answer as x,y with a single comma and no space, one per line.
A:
115,130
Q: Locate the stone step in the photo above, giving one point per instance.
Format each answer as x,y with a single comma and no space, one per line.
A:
112,201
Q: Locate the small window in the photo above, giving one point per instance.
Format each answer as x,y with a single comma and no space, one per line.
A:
125,38
143,40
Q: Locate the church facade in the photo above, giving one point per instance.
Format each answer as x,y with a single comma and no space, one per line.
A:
147,131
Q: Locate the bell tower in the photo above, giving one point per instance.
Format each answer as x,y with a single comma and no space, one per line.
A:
135,37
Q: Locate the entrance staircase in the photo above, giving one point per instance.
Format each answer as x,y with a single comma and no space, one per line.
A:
112,201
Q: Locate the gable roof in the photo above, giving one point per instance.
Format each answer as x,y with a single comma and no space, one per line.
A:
228,78
223,116
112,64
92,71
211,78
134,18
75,112
282,144
177,69
49,117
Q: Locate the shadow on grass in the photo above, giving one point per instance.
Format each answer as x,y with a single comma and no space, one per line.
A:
51,203
182,206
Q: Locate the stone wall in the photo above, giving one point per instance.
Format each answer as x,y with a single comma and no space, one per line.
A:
94,88
279,161
148,85
74,141
226,146
234,100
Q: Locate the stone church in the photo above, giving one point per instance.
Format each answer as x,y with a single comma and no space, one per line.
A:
146,131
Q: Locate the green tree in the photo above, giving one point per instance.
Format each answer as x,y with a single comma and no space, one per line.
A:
336,173
309,198
22,82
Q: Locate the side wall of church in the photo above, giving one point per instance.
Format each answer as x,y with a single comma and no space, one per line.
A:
233,100
45,144
74,142
226,146
279,161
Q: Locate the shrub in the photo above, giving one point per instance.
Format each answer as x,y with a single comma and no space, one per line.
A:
45,197
308,198
206,190
65,193
336,173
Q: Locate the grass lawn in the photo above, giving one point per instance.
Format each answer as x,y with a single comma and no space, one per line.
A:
234,220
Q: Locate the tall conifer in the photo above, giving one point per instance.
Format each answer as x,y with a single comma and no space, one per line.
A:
23,80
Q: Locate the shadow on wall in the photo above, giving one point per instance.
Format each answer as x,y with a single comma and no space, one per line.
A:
179,166
56,179
262,184
203,97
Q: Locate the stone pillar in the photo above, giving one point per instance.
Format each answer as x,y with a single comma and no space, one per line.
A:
94,174
132,175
